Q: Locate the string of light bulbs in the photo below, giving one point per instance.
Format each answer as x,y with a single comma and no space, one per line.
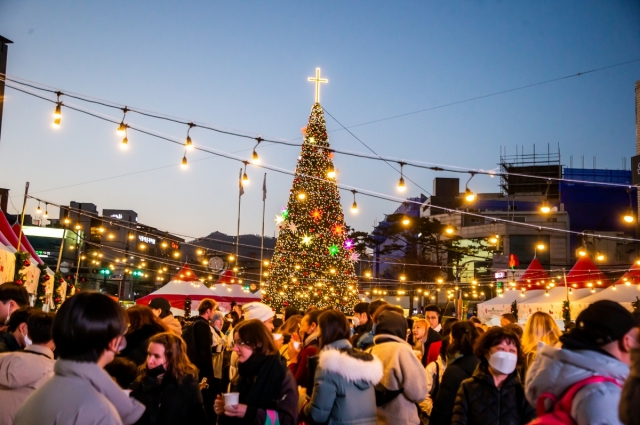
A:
123,126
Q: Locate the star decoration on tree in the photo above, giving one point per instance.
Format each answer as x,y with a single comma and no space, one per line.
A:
279,219
306,239
348,244
354,257
333,250
293,228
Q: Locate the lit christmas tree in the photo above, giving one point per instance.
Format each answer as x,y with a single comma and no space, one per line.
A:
312,264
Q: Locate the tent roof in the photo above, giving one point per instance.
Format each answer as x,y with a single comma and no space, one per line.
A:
186,275
534,275
622,293
507,298
558,294
632,275
226,277
585,271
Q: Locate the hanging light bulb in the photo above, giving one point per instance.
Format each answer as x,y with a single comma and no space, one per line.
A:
184,164
469,196
331,171
255,158
628,217
545,208
449,230
57,115
122,128
540,245
354,206
46,212
125,143
189,143
401,186
599,256
39,210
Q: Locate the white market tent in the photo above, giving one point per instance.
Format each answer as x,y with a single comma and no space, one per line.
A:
551,303
501,304
623,294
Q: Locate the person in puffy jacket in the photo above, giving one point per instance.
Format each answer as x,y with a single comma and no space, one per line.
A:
461,363
162,309
404,379
494,394
167,384
22,372
343,391
599,345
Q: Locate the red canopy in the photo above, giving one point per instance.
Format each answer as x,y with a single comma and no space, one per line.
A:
631,276
534,275
585,272
186,274
227,276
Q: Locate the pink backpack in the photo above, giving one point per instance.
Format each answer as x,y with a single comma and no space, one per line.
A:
561,412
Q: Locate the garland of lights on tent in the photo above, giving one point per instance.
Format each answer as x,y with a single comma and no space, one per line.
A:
313,259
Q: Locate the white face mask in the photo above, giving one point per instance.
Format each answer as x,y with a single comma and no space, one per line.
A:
27,341
503,362
6,322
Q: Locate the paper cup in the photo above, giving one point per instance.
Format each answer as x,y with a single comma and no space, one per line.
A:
296,345
277,336
231,399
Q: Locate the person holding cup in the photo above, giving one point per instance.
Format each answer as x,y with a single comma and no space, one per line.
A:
263,386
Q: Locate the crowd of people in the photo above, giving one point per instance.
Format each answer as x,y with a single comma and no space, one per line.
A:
93,362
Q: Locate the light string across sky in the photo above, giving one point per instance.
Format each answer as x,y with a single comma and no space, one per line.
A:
341,186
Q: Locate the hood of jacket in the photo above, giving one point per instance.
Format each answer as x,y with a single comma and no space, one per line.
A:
129,409
556,369
16,368
173,324
355,366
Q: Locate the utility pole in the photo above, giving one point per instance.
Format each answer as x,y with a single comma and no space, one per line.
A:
4,51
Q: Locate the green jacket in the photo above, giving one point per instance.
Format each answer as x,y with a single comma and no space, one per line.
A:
343,392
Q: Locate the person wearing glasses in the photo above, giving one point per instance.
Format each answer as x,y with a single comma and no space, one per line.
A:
265,386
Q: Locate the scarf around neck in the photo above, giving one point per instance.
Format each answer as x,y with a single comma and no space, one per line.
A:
260,380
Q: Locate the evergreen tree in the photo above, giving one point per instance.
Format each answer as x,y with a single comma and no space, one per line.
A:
312,264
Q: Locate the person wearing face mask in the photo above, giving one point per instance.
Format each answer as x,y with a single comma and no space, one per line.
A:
167,384
12,297
16,338
88,331
266,388
22,372
494,393
306,347
598,347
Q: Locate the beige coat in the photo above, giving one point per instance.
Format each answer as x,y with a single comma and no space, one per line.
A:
173,324
402,369
21,373
80,393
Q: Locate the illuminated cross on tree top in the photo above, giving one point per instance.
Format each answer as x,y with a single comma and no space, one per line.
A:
318,81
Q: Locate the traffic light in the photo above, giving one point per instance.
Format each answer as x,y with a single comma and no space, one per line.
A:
105,272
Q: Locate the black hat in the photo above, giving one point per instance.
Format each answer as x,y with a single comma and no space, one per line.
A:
391,323
605,321
160,303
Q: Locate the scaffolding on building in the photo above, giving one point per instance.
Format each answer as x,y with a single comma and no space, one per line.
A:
540,164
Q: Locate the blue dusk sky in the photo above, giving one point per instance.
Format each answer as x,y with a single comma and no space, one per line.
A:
244,65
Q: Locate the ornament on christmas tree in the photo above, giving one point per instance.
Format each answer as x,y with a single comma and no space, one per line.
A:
354,257
348,244
333,250
293,228
306,239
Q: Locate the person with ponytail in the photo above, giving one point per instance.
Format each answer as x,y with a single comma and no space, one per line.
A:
167,384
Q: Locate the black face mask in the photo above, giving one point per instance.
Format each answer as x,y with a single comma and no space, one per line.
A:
156,371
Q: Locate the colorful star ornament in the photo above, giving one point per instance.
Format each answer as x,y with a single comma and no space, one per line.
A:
315,251
354,257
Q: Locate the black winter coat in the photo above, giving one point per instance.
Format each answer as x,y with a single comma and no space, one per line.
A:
169,402
480,402
199,341
138,342
461,369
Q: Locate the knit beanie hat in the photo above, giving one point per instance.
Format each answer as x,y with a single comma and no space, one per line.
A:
604,322
257,310
391,323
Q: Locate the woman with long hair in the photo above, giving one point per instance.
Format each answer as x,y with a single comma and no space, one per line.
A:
266,387
167,384
461,362
343,391
425,338
494,394
287,330
539,328
143,324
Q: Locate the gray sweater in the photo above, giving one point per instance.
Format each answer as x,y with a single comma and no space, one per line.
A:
79,393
